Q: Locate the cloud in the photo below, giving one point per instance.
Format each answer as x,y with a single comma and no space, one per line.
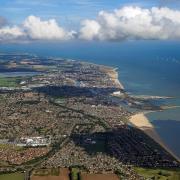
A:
89,30
11,34
133,23
44,30
125,23
8,33
33,28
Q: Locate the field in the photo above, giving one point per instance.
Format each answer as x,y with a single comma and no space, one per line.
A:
9,146
74,174
51,174
12,176
99,177
160,174
9,82
3,164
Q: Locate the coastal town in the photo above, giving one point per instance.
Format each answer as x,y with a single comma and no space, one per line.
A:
66,114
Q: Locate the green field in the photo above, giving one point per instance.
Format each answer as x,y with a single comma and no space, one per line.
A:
9,82
46,172
9,146
12,176
74,173
159,174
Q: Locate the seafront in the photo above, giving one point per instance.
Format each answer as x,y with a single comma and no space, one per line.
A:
113,74
140,121
115,77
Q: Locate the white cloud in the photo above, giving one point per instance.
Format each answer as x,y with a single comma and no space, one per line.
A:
8,33
44,30
11,33
133,23
33,28
89,30
121,24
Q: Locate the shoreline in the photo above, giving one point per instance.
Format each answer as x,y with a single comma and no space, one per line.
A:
147,97
140,121
113,74
115,77
110,71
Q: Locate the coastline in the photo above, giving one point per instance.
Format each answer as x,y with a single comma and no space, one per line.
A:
114,75
140,121
146,97
111,72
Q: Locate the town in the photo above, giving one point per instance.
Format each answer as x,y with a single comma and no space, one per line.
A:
64,113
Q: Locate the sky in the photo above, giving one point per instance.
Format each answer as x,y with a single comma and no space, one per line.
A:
69,12
59,20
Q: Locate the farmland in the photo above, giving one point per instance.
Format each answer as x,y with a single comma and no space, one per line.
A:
161,174
51,174
12,176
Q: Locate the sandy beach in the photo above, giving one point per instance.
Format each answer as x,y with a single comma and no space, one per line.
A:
140,121
113,74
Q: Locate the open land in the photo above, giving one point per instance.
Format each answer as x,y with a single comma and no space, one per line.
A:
99,177
162,174
70,114
12,176
51,174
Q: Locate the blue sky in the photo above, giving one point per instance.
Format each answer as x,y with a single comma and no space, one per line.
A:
68,12
112,20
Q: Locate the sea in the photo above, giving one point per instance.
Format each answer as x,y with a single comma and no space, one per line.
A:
145,68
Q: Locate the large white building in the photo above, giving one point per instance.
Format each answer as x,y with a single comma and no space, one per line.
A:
34,141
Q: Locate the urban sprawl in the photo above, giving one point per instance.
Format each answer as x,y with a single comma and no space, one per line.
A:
58,113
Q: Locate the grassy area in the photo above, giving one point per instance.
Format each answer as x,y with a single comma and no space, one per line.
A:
8,146
9,81
41,172
47,172
12,176
159,174
60,100
4,164
55,171
74,174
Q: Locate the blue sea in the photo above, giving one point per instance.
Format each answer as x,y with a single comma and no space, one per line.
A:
145,68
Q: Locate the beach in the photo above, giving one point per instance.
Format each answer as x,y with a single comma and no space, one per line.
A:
113,74
140,121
